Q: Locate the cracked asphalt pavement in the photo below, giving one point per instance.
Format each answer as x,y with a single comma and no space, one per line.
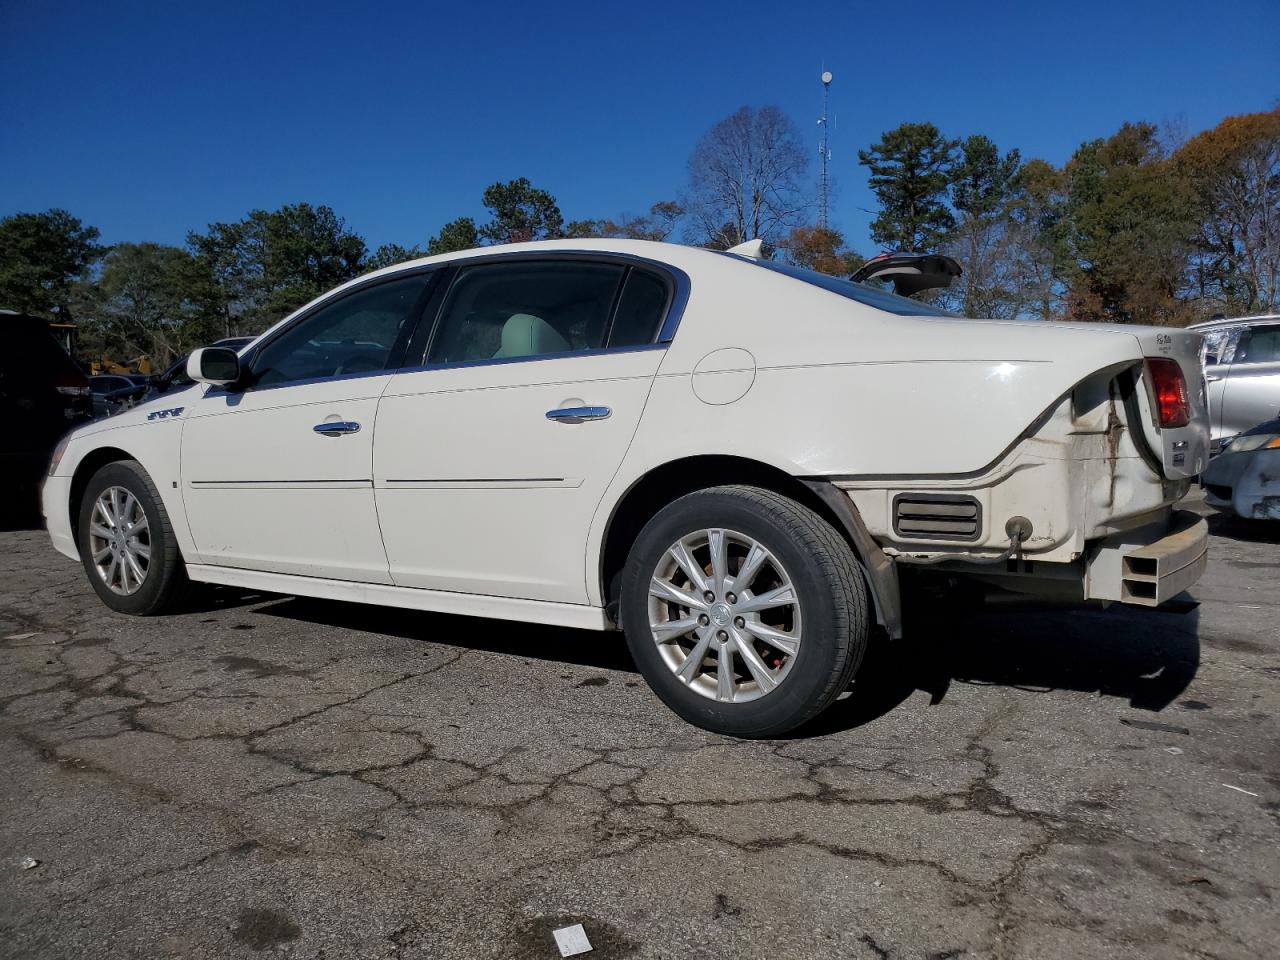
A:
273,776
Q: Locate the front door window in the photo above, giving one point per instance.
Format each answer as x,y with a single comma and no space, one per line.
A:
358,334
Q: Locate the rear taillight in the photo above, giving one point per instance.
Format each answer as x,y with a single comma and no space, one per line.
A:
71,384
1170,389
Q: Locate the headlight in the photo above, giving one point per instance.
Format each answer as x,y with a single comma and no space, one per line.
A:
58,451
1257,441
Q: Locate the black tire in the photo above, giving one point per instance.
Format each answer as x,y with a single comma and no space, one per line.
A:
824,573
166,581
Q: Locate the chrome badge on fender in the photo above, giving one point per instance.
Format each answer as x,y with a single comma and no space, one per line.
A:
165,414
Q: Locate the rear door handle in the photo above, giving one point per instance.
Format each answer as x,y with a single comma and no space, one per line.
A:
337,428
1212,377
578,414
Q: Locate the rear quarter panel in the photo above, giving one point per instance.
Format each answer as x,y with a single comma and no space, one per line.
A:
827,387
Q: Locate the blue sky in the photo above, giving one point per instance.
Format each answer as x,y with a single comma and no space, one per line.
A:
147,120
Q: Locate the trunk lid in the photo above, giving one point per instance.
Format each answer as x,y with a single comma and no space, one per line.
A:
1180,452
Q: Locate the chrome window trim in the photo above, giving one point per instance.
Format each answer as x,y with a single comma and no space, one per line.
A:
676,302
534,358
310,381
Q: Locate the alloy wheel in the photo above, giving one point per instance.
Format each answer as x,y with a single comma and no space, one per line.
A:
120,540
725,615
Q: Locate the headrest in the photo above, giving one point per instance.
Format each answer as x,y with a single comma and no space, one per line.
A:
524,335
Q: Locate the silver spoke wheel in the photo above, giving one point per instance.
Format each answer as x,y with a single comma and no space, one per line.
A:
725,615
120,541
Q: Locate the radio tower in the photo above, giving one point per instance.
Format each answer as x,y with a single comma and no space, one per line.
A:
823,153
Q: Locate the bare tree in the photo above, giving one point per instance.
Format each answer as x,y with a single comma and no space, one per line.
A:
747,179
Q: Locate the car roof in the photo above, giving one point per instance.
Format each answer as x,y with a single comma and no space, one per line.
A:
1231,321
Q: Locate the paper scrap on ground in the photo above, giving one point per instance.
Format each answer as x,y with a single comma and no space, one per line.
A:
30,863
572,940
20,636
1240,789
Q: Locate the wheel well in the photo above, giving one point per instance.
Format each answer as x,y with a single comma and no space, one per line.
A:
666,483
92,462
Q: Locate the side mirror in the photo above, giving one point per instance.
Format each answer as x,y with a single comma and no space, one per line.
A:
216,365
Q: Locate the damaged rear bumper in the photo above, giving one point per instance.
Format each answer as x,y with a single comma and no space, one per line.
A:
1151,564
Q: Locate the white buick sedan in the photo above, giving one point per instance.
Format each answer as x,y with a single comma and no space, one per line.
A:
729,459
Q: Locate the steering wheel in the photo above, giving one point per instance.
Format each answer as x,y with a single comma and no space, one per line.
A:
359,363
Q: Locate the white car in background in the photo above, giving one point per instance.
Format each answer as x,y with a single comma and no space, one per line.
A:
728,458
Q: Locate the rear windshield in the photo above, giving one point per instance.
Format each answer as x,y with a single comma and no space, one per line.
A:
861,292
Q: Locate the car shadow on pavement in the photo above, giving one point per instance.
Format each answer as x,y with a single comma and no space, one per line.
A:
1232,527
1147,657
1143,656
587,648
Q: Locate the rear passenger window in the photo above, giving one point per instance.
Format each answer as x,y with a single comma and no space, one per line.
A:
1261,346
640,310
525,309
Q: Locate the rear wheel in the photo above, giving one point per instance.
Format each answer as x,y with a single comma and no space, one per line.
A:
745,611
127,544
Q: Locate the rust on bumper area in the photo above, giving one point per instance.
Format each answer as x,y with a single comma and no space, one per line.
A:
1150,565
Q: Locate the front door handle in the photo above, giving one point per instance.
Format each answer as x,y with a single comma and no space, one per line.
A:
337,428
578,414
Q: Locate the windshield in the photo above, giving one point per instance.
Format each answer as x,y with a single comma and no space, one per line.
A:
861,292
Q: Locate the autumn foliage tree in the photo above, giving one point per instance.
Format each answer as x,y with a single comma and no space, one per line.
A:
1234,171
820,248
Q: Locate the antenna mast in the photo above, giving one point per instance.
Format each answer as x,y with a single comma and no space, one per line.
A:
823,153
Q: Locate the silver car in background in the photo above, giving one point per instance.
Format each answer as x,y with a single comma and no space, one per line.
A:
1242,369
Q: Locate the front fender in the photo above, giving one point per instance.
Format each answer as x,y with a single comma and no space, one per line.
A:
154,443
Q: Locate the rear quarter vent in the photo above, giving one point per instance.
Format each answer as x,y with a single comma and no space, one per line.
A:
936,516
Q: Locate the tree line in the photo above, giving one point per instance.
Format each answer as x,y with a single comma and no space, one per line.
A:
1133,228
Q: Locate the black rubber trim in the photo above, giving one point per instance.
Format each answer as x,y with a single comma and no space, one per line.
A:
1127,380
882,574
956,498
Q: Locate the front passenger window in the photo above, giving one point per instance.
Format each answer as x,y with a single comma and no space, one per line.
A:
357,334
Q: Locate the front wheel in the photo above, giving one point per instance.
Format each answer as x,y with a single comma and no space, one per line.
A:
127,543
744,610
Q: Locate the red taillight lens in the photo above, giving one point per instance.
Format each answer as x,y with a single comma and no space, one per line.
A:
1170,389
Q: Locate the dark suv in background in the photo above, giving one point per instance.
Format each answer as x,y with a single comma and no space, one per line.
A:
43,394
